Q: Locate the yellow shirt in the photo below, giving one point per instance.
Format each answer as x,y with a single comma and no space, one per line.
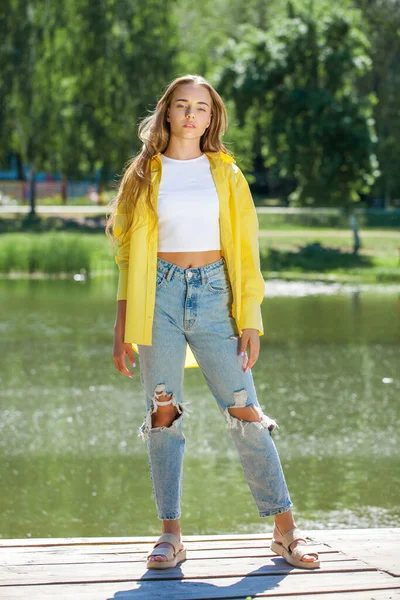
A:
137,256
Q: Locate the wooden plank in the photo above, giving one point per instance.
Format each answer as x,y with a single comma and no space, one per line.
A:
356,534
386,594
377,547
325,535
145,547
208,589
27,542
130,571
45,566
92,555
375,595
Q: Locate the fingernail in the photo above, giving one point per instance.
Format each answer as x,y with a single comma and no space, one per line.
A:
133,364
242,354
130,376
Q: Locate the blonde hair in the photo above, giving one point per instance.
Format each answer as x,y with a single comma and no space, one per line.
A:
154,131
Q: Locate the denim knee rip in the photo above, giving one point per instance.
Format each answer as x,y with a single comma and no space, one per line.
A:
241,398
147,426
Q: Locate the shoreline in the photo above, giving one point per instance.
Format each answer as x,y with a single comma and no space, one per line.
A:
273,279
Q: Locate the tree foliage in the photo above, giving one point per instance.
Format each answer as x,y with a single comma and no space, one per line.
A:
78,75
311,88
382,27
302,75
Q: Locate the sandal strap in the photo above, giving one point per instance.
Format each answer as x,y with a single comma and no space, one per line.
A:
167,552
291,536
303,549
171,539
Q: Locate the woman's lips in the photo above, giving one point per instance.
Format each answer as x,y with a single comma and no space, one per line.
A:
190,126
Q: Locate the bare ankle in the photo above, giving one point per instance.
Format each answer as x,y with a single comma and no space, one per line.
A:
284,521
171,526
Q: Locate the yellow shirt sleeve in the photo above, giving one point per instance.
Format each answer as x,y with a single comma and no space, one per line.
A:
252,284
123,237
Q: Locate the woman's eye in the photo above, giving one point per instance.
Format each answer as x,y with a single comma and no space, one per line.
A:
183,106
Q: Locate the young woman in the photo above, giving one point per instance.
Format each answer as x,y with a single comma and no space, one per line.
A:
189,295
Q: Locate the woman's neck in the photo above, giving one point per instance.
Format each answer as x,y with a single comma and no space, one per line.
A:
182,151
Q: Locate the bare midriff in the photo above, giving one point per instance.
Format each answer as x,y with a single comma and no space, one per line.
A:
189,260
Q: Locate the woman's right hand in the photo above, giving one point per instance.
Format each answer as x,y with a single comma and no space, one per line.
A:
121,349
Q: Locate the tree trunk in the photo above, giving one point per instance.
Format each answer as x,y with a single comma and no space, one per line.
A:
64,189
32,192
388,196
356,237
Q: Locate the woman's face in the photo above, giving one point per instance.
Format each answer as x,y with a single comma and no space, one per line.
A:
189,114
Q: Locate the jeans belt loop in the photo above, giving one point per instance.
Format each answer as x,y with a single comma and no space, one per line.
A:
170,272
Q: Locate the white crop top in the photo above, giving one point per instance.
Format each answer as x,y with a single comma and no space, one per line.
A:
188,206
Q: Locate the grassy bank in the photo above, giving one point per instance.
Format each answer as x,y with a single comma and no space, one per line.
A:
295,254
327,219
326,255
54,253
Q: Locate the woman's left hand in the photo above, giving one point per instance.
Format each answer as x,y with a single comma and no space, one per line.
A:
251,337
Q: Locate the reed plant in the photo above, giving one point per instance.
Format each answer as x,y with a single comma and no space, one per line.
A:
50,253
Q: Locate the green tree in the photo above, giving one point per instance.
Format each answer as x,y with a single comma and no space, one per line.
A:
77,77
126,52
382,19
29,93
297,81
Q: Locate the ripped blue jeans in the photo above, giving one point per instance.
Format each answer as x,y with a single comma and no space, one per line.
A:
193,306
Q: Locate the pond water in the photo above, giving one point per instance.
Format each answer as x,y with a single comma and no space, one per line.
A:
71,463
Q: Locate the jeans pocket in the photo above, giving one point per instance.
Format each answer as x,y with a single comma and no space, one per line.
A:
219,284
161,278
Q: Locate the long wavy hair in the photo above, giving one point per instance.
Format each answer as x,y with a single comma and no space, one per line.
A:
133,197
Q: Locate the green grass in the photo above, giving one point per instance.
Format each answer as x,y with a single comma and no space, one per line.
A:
288,255
318,219
384,243
300,254
54,253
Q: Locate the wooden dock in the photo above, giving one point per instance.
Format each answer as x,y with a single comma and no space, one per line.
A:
355,564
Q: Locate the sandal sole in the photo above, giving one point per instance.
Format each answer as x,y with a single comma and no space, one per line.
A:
295,562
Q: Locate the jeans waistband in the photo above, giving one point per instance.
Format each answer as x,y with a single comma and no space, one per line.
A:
194,273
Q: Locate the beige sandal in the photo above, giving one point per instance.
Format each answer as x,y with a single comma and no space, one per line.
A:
294,556
173,556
